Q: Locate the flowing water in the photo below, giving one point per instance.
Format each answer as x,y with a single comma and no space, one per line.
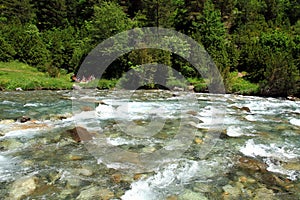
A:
148,145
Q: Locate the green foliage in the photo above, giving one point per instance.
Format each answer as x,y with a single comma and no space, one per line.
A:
260,37
200,85
7,52
27,43
108,20
240,85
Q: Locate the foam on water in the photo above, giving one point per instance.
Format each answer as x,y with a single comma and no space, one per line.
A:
235,131
295,121
171,179
272,150
273,153
33,105
277,168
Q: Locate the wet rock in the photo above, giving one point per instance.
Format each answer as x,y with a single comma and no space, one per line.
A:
192,112
139,176
191,88
61,116
117,178
252,164
244,108
30,125
23,187
264,193
231,192
73,182
75,157
86,108
202,187
198,141
84,172
173,197
10,143
292,98
24,119
66,194
188,195
95,193
80,134
178,89
291,166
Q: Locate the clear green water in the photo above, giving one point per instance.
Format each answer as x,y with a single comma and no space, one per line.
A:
183,151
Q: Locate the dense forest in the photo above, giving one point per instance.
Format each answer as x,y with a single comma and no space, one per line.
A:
258,38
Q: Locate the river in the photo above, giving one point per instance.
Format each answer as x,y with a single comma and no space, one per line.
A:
148,145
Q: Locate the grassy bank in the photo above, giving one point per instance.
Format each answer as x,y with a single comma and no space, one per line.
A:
19,75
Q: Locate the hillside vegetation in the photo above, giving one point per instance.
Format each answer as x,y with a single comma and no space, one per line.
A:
257,37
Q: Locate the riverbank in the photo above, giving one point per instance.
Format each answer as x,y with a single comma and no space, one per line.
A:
20,76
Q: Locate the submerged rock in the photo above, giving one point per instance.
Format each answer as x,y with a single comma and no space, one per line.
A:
80,134
84,172
292,166
188,195
95,193
264,193
252,164
231,192
23,187
244,108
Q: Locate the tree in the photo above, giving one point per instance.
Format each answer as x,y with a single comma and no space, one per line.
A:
212,34
108,20
51,14
17,11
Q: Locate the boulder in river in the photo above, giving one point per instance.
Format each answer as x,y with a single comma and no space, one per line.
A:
80,134
24,119
252,164
244,108
23,187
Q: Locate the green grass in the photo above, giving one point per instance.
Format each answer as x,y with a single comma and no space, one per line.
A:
17,74
199,84
240,85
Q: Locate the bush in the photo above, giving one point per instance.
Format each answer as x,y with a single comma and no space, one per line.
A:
7,52
239,85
